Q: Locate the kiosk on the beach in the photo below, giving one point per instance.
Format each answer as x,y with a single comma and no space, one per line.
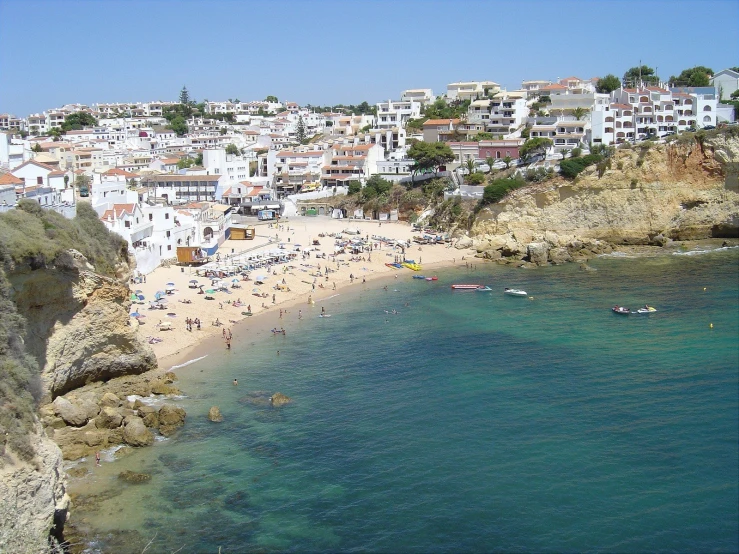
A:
191,255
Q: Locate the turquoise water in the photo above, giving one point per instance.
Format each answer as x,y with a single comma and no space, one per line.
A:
468,422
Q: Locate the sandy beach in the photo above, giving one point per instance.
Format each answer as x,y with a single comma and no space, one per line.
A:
287,287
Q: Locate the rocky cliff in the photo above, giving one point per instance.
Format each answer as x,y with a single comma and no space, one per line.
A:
77,324
34,498
646,194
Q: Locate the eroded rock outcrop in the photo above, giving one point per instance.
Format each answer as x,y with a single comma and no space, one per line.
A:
650,194
78,324
33,498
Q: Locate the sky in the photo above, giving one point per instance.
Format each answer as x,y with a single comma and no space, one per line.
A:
326,52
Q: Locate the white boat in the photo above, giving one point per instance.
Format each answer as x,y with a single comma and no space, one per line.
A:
646,310
514,292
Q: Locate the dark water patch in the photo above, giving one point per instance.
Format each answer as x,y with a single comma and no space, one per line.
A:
176,464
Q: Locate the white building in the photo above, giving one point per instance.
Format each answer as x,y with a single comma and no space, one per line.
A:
349,162
470,90
423,96
396,113
725,81
503,115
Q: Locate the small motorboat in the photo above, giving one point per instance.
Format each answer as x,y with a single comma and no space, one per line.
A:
419,277
466,287
514,292
434,278
621,310
483,288
646,309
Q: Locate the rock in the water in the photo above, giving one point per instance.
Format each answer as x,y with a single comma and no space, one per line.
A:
110,400
171,415
214,414
132,477
136,433
78,472
162,387
538,252
278,399
109,418
170,377
70,413
559,255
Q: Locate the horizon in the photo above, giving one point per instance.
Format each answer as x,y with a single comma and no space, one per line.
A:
146,61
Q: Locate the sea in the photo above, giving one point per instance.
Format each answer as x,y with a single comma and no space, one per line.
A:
424,419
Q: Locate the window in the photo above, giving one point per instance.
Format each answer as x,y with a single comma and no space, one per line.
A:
167,234
39,180
169,247
127,224
166,216
151,217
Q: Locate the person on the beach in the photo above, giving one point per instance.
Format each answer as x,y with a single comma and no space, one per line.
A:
235,382
323,310
228,343
97,458
300,314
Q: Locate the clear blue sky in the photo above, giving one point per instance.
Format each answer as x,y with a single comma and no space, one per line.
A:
325,52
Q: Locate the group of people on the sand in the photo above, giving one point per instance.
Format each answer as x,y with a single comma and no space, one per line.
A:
189,323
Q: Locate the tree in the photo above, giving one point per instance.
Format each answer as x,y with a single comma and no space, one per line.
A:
533,146
178,125
55,133
66,181
232,150
300,131
429,155
81,181
184,96
470,165
579,112
507,161
490,161
354,187
698,76
608,84
643,73
77,121
36,147
497,190
735,94
271,99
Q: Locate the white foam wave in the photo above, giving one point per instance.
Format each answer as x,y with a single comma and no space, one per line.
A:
187,362
700,252
329,297
155,401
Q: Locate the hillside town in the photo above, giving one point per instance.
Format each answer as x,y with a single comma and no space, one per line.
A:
169,175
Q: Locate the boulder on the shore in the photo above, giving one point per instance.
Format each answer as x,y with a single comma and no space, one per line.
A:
162,386
110,400
136,433
278,399
70,413
108,418
538,252
171,418
215,415
463,243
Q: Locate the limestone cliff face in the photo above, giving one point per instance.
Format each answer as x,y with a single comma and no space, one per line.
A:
78,324
34,498
673,190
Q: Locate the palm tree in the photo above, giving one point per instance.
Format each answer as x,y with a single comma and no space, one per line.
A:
470,163
490,161
579,113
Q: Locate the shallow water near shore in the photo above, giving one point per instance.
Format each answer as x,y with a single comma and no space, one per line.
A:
467,422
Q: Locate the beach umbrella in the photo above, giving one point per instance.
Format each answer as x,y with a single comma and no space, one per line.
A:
195,281
135,314
138,291
141,297
141,316
162,300
234,280
261,277
159,294
210,291
134,297
256,289
170,284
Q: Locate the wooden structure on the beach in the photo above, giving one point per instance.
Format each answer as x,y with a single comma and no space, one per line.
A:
191,255
243,233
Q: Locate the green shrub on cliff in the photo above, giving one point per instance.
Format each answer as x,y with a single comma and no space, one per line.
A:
34,236
497,190
571,167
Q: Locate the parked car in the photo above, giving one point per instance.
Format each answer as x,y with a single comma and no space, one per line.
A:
709,127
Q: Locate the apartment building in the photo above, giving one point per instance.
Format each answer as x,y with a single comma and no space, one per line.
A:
349,162
725,82
435,130
181,189
423,96
470,90
505,113
533,87
296,168
396,113
10,122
